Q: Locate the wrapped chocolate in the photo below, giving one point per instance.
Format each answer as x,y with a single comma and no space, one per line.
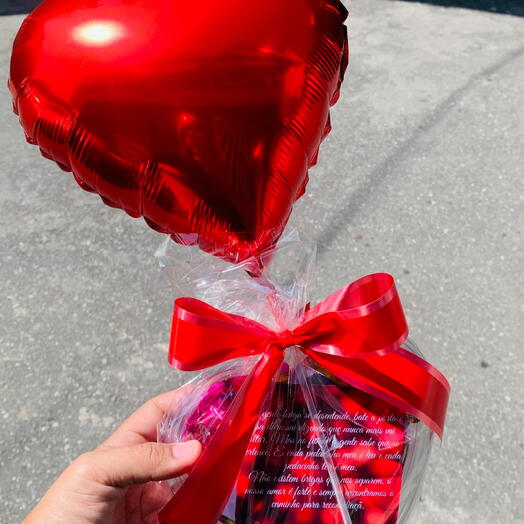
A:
316,415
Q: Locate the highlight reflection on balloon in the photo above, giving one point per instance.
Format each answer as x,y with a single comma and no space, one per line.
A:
98,33
202,117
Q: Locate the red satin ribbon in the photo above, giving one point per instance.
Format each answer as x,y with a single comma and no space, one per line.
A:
355,334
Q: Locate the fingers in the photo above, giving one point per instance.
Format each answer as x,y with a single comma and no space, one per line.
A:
141,426
124,466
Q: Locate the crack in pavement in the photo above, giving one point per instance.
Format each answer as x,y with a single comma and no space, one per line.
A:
381,173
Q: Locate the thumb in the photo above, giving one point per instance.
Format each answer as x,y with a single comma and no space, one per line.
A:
120,467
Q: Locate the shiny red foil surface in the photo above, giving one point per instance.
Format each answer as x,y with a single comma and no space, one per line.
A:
202,117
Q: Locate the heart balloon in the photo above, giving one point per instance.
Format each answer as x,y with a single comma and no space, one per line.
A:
201,116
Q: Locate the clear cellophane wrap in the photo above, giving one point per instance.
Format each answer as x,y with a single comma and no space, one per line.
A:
322,451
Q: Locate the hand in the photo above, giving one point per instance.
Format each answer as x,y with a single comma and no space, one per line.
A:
114,483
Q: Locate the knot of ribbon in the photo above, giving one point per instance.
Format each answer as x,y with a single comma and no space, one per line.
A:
355,334
286,339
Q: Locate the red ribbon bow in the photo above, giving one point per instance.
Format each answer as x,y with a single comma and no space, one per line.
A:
355,334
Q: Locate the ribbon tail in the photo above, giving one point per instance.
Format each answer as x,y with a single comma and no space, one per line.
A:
203,496
399,378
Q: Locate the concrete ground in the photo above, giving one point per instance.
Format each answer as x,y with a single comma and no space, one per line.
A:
421,177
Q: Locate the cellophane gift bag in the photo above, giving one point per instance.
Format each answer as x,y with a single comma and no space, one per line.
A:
322,451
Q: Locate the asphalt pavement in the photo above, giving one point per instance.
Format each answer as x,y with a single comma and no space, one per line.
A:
422,177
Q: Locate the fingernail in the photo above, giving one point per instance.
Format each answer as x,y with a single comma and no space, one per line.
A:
187,451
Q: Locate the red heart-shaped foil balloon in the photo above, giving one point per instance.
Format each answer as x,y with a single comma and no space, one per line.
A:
201,116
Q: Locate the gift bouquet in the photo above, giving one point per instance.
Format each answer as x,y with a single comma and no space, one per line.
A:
307,414
204,118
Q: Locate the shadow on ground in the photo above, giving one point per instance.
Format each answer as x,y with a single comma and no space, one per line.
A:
509,7
17,7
